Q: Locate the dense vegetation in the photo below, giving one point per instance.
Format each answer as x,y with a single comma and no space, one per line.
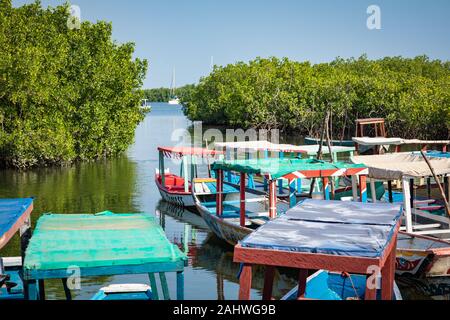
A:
412,94
65,93
163,94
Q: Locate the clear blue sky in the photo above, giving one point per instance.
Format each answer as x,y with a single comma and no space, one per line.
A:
185,34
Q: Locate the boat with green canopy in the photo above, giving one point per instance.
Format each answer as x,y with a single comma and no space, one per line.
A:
100,244
232,216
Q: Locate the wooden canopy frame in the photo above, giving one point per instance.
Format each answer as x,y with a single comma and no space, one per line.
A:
325,175
305,261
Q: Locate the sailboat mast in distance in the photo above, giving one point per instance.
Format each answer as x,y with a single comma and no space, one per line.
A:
173,98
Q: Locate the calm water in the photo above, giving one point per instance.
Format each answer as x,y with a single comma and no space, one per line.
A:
126,184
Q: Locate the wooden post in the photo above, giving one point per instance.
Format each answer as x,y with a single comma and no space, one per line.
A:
180,285
326,188
373,190
186,174
292,195
228,157
388,274
429,187
363,188
391,196
266,156
219,194
245,282
355,188
151,277
272,199
161,169
268,283
242,198
165,289
302,278
407,204
66,289
41,289
280,181
371,293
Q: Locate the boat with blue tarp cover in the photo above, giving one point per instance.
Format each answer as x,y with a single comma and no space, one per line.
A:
360,239
14,217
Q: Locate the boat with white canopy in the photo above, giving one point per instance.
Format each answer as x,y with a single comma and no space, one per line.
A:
410,168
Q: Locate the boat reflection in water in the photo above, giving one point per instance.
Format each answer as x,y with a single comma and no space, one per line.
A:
213,254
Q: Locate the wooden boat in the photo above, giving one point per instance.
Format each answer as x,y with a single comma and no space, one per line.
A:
231,217
14,216
409,168
127,291
360,239
176,189
325,285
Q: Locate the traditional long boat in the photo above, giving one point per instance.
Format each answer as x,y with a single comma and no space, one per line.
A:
233,216
177,189
409,168
14,217
361,240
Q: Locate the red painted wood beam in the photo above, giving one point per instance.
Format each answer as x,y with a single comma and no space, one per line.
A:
245,282
268,283
304,260
242,198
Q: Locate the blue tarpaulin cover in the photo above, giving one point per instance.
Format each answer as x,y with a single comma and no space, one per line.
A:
330,227
10,211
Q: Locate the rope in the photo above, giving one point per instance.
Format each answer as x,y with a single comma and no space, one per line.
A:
347,275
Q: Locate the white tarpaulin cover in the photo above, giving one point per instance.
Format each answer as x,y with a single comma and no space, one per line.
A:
365,141
269,146
394,166
380,141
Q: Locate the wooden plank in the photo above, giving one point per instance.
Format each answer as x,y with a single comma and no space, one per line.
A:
268,283
388,275
245,282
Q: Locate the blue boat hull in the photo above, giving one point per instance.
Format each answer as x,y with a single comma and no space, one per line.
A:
324,285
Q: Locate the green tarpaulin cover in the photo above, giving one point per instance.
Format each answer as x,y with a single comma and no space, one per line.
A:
101,240
277,167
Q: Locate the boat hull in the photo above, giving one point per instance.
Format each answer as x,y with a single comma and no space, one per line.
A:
182,199
229,232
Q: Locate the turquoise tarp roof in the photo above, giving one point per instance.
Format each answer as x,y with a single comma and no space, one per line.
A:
277,168
102,240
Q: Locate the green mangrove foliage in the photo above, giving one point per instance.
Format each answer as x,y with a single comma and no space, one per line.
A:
413,95
65,93
163,94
